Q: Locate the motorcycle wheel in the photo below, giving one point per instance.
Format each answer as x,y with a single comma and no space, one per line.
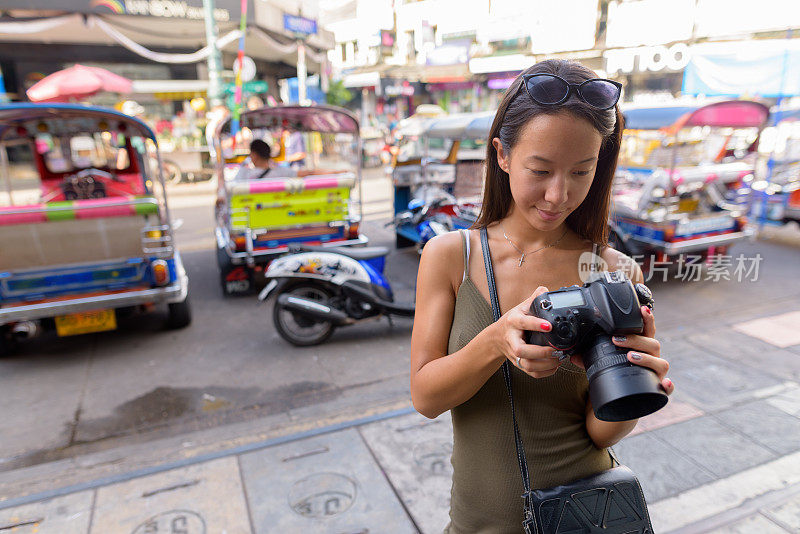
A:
298,329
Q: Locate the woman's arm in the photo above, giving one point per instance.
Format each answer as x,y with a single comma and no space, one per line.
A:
605,433
440,381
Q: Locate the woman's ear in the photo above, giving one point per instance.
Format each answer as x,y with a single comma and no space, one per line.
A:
502,155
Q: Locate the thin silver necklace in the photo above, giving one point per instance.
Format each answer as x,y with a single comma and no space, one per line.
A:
522,253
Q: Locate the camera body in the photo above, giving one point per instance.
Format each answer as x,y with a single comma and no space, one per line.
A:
583,319
608,305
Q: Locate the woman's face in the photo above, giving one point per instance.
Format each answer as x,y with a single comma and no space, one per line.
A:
551,167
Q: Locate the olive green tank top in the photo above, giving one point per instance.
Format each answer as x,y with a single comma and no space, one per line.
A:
551,413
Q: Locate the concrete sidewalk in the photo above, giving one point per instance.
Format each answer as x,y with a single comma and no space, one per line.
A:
723,456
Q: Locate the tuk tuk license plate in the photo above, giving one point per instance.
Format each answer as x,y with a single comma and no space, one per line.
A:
86,322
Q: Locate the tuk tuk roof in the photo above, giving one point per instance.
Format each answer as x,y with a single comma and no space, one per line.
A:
65,119
318,118
461,126
726,113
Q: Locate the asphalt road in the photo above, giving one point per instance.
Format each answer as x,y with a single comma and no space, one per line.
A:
229,369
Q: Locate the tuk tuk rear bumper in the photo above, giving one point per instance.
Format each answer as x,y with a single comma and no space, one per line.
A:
262,255
177,291
693,245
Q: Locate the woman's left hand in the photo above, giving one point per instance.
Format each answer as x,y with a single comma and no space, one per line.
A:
646,350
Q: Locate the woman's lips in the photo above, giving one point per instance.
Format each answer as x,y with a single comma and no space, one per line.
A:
549,215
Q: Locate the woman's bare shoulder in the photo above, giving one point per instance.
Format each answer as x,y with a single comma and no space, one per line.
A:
443,256
618,261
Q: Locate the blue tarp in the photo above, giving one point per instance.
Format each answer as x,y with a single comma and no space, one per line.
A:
769,68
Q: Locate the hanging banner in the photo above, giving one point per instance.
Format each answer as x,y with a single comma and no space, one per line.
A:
769,68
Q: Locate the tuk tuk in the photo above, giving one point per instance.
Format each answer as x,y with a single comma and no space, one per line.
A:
678,168
85,228
259,216
774,192
459,142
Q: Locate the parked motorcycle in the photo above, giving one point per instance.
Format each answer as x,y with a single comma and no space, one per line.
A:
318,289
423,219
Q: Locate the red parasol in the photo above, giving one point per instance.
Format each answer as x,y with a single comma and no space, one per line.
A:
77,82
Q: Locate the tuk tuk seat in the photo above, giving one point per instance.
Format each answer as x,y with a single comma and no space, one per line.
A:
80,231
291,202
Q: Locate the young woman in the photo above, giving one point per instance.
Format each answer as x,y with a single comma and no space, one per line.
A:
550,162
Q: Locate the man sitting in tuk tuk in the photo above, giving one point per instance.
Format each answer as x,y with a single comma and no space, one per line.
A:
261,164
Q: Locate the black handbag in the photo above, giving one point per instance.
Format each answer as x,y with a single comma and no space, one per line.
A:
610,502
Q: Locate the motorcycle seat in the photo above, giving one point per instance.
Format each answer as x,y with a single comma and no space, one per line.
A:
357,253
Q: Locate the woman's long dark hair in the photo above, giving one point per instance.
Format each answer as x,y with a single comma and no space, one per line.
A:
590,219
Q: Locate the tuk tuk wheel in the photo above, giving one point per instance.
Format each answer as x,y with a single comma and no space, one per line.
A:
7,343
180,314
403,242
298,329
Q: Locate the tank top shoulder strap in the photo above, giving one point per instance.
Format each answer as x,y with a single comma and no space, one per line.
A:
465,251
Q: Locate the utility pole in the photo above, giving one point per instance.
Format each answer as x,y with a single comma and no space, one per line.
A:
214,57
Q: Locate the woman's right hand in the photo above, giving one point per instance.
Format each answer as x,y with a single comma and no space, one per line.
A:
535,360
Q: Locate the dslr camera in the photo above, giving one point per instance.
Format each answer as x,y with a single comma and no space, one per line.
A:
584,318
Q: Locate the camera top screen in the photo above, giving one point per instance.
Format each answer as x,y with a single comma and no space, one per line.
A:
567,299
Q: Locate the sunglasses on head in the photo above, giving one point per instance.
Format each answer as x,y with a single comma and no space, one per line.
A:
550,90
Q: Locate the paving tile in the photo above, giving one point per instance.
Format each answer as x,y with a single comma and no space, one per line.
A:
70,514
753,524
765,424
674,412
717,448
786,513
324,484
713,383
787,401
662,470
201,498
736,346
414,452
779,330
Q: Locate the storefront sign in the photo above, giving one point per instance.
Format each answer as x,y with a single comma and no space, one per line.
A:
509,63
179,9
362,79
302,25
500,83
652,58
399,90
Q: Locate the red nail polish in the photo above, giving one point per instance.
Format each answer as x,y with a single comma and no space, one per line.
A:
546,327
669,382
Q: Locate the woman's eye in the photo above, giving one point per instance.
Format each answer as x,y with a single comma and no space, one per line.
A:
581,173
538,173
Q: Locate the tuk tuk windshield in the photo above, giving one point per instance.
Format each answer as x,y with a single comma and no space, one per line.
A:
95,165
294,153
700,145
99,151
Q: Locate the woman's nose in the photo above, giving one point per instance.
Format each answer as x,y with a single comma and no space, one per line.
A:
556,193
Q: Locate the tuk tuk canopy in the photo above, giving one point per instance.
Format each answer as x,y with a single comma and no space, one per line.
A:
726,113
461,126
322,119
25,120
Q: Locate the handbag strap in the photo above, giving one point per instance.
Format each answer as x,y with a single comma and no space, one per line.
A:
487,260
